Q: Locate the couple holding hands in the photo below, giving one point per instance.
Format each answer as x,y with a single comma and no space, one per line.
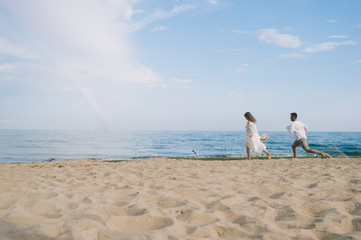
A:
254,141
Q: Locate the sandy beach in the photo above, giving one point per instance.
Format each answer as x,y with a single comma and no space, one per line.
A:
181,199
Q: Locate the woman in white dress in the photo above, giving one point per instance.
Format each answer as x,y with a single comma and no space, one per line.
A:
253,140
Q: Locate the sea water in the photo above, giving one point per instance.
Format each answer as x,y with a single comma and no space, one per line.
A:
41,145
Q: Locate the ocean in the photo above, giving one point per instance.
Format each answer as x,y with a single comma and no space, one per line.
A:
18,146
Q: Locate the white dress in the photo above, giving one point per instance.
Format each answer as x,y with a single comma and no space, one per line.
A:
254,143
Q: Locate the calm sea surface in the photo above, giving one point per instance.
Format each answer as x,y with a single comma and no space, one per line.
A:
40,145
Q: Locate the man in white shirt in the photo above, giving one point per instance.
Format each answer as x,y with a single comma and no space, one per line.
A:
300,129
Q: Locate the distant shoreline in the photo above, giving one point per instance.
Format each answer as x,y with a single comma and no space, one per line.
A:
199,158
229,158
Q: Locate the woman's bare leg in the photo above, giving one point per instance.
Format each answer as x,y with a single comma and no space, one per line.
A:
268,154
248,153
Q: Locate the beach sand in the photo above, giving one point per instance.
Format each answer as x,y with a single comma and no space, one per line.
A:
181,199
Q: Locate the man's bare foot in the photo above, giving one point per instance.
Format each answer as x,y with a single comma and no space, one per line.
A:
323,155
269,156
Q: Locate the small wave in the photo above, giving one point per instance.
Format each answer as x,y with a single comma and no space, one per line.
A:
353,154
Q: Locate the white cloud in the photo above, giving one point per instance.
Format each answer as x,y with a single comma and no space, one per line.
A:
274,37
158,86
288,28
181,80
241,32
213,2
83,41
338,36
8,121
160,28
172,83
264,95
331,21
358,61
243,68
6,67
129,12
15,50
330,94
293,55
236,51
178,9
327,46
159,14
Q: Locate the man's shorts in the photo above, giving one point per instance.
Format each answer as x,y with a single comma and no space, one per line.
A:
302,142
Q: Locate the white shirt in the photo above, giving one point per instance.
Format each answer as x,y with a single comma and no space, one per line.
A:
298,128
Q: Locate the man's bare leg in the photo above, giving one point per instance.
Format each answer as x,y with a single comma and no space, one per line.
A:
294,148
309,150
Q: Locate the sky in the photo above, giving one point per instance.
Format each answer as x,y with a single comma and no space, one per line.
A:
179,65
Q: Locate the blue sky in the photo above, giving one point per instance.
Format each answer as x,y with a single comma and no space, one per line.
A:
179,65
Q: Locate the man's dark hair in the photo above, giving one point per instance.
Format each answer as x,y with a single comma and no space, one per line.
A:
294,115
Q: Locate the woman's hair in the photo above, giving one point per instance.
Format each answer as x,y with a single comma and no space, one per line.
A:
250,117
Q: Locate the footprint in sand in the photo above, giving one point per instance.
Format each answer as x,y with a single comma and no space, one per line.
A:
197,218
230,233
335,236
277,195
286,214
118,204
253,199
86,200
355,181
92,217
243,220
170,203
41,207
42,195
129,211
313,185
139,223
356,224
357,211
52,215
216,205
288,218
72,205
328,213
217,232
134,210
315,208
